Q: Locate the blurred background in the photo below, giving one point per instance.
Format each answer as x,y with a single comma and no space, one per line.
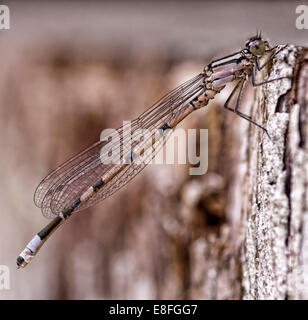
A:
69,69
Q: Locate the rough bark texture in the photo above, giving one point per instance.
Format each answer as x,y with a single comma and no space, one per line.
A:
274,205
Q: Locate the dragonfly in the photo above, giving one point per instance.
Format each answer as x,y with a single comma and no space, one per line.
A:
85,179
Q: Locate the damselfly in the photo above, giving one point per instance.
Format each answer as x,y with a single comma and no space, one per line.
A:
84,179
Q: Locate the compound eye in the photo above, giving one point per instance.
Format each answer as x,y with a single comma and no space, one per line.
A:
258,48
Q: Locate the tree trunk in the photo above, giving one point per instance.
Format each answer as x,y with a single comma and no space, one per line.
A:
274,190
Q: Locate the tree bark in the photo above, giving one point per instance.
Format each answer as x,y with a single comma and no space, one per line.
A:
275,199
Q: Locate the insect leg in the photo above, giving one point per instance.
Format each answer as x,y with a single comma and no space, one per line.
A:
241,85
